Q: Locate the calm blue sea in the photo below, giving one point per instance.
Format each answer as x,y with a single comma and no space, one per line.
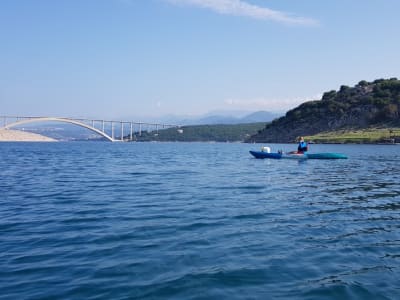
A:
197,221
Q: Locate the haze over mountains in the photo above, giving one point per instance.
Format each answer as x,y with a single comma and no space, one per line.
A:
218,117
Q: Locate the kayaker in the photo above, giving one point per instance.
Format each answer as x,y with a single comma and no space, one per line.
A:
302,147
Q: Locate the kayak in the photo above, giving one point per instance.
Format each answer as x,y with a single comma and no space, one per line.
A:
278,155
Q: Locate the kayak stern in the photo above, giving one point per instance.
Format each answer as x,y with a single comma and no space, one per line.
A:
275,155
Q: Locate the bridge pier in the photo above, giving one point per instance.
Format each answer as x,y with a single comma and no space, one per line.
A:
131,131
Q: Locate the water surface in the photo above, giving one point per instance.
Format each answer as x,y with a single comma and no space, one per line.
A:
197,221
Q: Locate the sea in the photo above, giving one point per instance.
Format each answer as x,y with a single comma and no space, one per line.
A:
99,220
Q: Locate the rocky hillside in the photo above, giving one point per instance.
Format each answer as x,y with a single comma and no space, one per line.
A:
365,105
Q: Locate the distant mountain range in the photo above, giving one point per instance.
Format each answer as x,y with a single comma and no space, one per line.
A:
222,117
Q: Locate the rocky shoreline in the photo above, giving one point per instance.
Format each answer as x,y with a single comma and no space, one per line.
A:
8,135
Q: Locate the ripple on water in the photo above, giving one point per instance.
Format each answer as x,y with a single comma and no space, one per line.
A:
190,221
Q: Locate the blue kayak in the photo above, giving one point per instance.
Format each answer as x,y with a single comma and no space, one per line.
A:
278,155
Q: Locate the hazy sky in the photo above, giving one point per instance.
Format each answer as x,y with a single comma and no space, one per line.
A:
122,58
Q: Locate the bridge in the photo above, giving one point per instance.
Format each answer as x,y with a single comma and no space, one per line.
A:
103,128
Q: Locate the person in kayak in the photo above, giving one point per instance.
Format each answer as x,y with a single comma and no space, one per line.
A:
302,147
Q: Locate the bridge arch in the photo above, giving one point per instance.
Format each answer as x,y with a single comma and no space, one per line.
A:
64,120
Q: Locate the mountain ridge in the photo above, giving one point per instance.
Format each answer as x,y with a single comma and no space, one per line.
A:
219,117
365,105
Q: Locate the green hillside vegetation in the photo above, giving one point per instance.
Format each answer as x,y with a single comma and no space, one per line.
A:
203,133
366,112
361,136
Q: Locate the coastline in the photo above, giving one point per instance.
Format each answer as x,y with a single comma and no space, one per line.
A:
8,135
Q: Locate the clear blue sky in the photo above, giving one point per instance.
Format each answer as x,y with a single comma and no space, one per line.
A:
122,58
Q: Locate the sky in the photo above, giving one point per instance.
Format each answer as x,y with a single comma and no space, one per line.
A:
118,59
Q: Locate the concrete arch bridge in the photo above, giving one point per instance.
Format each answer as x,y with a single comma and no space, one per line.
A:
103,128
